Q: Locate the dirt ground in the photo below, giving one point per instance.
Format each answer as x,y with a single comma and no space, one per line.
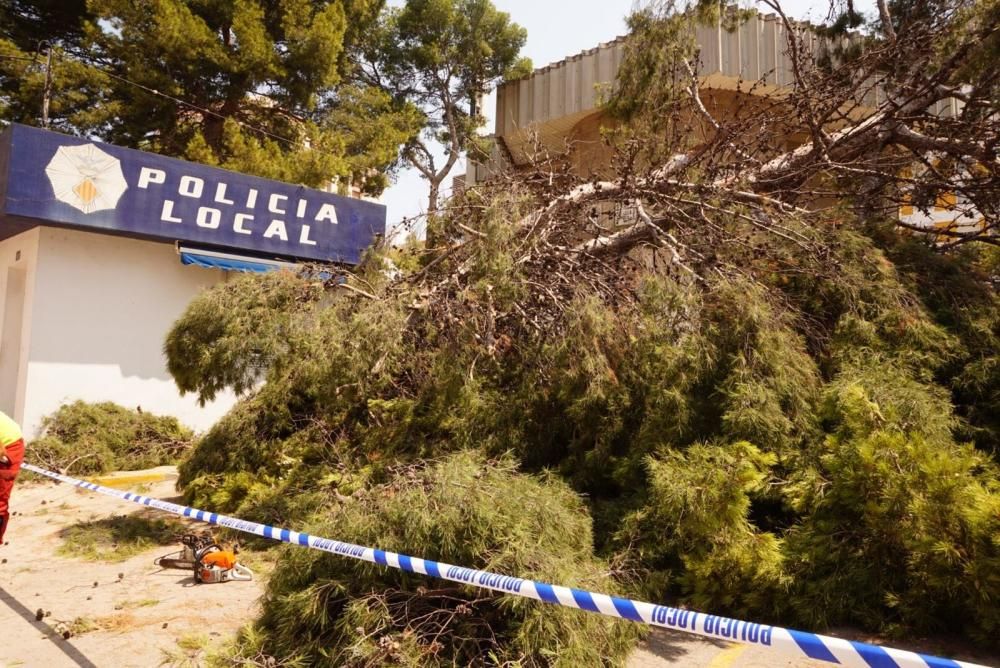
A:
141,614
134,614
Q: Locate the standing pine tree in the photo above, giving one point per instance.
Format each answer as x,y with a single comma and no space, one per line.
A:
442,56
253,85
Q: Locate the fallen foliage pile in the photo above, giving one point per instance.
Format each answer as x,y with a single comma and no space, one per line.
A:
82,438
324,609
774,403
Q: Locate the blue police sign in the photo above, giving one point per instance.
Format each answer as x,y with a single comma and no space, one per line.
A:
52,178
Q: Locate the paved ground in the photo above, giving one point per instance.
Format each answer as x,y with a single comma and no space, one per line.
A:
144,616
669,648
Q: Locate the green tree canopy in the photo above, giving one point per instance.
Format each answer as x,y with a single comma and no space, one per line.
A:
252,85
442,56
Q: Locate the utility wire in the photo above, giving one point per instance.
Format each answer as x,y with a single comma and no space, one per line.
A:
176,100
154,91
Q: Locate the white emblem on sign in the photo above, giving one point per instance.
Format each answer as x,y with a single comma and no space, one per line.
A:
86,178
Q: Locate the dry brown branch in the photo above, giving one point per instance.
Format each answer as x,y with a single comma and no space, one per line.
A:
744,185
356,290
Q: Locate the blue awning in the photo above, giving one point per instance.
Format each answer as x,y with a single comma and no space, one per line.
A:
228,262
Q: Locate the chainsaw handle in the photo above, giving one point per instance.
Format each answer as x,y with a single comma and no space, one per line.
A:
201,552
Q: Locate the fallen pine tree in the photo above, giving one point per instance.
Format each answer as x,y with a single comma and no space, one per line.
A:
773,408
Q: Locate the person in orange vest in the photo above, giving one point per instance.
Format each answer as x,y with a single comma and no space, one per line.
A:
11,456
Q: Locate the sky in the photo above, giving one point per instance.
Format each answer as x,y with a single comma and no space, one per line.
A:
556,29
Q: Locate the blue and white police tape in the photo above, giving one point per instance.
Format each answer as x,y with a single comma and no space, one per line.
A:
789,641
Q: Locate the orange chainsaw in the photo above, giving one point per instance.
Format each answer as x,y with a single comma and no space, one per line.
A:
209,561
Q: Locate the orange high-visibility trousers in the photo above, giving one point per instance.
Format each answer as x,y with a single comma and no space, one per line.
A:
8,473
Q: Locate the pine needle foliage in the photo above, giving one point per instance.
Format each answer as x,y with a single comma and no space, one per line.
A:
718,429
900,522
696,528
773,406
85,438
325,610
264,87
258,330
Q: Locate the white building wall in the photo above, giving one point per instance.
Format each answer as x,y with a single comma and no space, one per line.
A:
102,309
18,263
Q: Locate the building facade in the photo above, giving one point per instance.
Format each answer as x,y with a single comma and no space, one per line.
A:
102,248
76,326
559,109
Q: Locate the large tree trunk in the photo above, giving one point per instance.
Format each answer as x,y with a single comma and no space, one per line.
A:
432,209
432,198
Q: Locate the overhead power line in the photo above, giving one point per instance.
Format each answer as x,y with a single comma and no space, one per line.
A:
176,100
153,91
